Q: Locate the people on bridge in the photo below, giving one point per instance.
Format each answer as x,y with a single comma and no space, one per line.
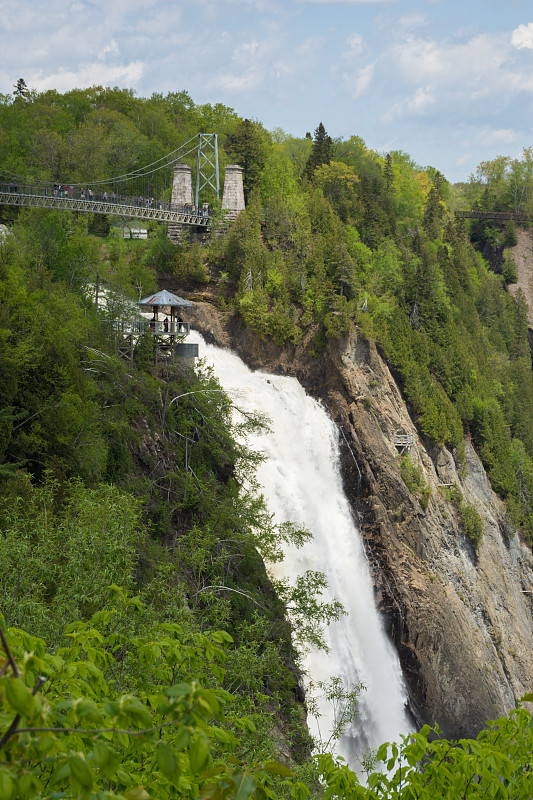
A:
76,191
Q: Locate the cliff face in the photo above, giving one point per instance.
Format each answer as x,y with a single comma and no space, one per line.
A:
461,618
523,257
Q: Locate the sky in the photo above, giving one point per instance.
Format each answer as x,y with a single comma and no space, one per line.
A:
448,81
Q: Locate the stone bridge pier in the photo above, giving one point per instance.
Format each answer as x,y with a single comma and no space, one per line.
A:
182,194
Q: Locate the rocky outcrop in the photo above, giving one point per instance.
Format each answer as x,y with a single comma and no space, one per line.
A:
461,618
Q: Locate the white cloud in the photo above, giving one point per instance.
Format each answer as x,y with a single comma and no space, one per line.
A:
488,137
355,44
109,49
522,37
411,21
464,159
309,47
91,75
237,83
363,80
479,75
416,105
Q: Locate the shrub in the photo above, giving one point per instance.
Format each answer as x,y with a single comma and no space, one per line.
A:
472,523
509,271
413,477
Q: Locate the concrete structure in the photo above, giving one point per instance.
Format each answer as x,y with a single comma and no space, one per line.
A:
181,196
233,197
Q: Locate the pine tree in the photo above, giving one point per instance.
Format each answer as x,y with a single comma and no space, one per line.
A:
246,147
388,174
321,152
21,88
434,210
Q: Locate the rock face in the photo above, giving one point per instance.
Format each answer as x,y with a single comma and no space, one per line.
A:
460,618
523,257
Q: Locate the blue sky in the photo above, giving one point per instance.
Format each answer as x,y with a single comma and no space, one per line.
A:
448,81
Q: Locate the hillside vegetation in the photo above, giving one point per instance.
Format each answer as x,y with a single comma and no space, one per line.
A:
141,620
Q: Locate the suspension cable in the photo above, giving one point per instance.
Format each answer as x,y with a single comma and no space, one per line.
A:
141,172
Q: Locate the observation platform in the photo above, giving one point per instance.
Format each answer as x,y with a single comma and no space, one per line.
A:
168,335
168,339
117,205
403,441
141,325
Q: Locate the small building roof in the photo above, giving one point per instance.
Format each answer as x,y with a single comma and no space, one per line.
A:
164,298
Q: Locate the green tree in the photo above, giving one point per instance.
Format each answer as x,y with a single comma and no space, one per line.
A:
20,88
321,151
246,147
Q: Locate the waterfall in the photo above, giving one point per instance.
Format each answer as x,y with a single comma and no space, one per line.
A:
301,483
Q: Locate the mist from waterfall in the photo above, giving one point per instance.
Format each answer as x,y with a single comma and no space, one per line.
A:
301,483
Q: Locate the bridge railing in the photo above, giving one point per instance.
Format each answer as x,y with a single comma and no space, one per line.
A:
140,325
55,196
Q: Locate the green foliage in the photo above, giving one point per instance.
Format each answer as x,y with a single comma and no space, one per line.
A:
78,542
190,264
80,734
472,523
413,477
510,239
425,766
321,152
509,270
70,727
246,146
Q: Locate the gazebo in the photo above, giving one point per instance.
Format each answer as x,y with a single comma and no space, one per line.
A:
161,301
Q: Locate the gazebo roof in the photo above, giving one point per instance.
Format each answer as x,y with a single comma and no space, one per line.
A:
164,298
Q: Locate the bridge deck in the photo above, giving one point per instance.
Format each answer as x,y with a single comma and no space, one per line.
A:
495,215
156,211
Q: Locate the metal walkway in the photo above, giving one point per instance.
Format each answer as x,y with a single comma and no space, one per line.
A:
32,196
495,215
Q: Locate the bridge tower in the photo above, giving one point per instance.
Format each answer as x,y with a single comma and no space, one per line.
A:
233,197
181,196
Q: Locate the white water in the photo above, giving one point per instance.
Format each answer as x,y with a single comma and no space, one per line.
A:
301,483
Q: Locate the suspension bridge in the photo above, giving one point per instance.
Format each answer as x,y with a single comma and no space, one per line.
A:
139,194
